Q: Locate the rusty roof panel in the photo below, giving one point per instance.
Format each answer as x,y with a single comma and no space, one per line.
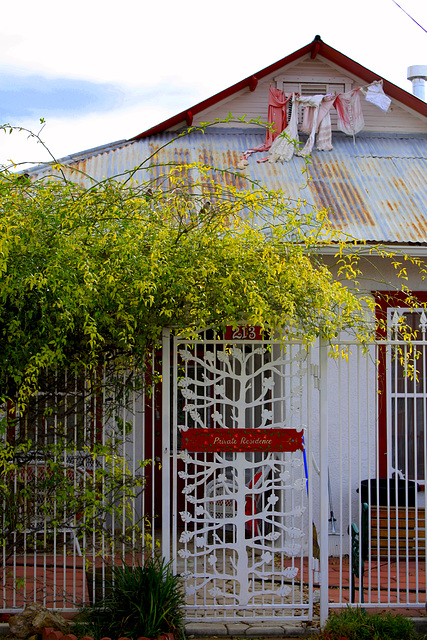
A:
374,187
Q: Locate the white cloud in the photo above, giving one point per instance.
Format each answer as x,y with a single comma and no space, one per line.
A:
64,137
166,56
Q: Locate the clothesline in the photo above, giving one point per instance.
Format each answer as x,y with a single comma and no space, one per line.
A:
362,86
316,120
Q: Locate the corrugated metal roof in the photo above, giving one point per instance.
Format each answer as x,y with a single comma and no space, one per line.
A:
375,187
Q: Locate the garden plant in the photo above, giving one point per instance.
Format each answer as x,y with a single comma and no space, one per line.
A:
141,601
355,623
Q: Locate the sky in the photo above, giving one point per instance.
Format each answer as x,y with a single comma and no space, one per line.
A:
97,72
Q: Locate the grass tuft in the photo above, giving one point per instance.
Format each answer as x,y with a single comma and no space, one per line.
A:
144,601
355,623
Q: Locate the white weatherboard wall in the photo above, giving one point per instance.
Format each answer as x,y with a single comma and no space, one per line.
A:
352,428
254,104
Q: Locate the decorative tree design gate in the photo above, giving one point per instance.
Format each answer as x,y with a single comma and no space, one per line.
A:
240,477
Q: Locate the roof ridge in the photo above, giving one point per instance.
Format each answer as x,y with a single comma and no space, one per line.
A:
314,48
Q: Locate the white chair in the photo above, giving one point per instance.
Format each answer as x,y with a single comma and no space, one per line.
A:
39,511
220,504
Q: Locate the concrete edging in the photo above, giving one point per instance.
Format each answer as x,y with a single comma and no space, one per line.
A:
242,630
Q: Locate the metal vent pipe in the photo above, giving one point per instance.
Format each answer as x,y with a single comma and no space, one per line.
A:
418,76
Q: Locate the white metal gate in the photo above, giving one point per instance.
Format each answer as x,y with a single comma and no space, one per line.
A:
240,520
376,447
263,533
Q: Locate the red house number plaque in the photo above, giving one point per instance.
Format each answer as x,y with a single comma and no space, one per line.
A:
242,440
243,332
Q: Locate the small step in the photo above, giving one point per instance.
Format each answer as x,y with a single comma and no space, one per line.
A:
397,532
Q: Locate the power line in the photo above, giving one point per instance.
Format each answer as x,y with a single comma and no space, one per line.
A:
409,16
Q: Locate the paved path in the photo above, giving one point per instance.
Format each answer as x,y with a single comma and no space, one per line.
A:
212,630
249,630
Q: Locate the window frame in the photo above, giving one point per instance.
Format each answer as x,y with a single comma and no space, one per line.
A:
43,427
387,303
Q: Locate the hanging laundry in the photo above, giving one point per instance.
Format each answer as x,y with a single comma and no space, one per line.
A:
324,132
276,116
350,116
316,119
375,94
311,106
308,113
283,147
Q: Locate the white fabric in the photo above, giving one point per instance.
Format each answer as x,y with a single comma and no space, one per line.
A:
324,132
283,147
311,106
350,116
320,123
376,95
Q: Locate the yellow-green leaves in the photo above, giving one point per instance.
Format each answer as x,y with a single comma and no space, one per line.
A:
96,271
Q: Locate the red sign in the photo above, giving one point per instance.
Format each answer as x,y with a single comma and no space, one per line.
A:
243,332
242,440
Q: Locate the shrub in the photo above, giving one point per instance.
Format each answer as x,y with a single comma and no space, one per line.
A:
143,600
357,624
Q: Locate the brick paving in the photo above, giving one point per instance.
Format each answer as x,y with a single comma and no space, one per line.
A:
398,582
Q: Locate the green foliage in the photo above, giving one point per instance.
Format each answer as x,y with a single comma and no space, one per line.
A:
42,491
358,624
141,601
64,466
92,271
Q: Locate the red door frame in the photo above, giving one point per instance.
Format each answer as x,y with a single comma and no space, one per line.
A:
385,300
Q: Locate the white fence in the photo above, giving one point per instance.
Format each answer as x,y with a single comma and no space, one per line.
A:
363,420
76,494
376,408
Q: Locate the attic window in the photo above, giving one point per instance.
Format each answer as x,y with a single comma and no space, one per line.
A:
314,88
311,89
310,85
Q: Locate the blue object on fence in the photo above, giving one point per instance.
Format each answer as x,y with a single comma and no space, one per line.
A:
305,463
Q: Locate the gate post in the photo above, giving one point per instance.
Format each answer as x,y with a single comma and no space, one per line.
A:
166,430
323,456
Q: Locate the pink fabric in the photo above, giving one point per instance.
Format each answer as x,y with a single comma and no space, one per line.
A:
276,116
277,103
350,116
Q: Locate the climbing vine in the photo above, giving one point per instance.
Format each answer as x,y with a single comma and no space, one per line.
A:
92,270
